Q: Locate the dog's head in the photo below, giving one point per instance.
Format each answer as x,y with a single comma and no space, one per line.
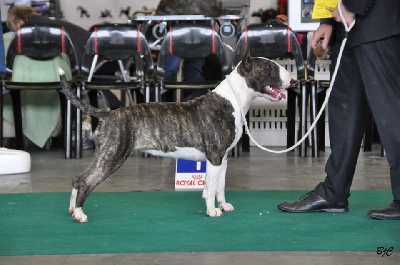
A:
264,76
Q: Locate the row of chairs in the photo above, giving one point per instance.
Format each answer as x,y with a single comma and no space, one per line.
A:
122,43
127,45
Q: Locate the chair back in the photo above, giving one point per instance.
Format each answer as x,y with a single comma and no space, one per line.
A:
114,42
42,42
190,41
272,40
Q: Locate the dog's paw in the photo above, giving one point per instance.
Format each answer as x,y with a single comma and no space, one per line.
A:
79,215
215,212
71,210
226,207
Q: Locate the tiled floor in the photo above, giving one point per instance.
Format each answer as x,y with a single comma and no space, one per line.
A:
256,170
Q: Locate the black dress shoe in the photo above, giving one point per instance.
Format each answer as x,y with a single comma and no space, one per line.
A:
312,202
392,212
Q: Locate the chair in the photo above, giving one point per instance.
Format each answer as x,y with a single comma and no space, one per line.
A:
190,41
121,43
39,44
275,40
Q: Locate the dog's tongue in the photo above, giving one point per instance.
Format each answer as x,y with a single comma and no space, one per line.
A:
275,92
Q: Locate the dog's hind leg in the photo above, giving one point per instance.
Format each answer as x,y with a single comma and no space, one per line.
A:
222,204
210,189
101,167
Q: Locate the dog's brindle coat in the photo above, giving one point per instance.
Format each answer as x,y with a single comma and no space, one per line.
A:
205,128
210,8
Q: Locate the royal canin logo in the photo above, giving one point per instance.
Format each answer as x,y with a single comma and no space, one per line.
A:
197,176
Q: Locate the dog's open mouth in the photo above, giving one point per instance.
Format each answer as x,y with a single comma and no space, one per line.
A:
274,93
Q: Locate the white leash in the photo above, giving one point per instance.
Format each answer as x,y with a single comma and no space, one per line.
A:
328,93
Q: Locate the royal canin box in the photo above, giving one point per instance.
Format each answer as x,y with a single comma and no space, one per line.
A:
190,175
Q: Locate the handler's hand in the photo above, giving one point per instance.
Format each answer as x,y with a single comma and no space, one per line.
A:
348,16
323,33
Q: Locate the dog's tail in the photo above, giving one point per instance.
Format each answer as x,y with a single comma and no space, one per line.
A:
76,101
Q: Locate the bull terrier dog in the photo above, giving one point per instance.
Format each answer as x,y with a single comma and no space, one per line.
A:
203,129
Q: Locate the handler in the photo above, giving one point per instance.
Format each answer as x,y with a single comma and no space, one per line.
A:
369,76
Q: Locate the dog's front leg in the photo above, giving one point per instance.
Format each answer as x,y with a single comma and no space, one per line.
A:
210,189
222,204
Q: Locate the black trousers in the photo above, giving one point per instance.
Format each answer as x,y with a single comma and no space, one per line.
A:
368,79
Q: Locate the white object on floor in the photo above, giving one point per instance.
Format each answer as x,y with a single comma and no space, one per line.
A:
14,161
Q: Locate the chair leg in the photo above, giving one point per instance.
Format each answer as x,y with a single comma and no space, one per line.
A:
147,98
150,91
78,128
313,113
245,138
16,102
68,130
303,119
66,125
235,152
291,118
159,92
321,122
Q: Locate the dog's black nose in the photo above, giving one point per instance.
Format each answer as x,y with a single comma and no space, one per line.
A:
292,82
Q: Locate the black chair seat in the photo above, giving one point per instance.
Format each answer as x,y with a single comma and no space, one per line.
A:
11,85
108,85
208,84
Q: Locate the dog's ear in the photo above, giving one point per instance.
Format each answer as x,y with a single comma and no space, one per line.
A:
246,55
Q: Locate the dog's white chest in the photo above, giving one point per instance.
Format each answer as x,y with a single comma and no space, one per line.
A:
235,90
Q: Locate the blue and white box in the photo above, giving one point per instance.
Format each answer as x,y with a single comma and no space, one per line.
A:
190,175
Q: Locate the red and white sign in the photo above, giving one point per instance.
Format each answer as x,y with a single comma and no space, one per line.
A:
190,175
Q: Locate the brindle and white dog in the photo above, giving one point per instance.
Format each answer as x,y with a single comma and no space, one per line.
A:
205,128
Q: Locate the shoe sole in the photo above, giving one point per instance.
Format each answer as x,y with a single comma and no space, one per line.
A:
341,210
331,210
382,218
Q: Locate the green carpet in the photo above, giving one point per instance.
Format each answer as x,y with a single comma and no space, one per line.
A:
131,222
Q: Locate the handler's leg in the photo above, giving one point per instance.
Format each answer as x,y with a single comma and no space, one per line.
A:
348,109
381,76
347,122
